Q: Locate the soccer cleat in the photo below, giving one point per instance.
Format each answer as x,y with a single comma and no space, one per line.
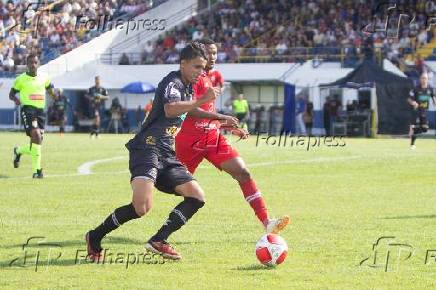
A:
412,147
17,158
164,249
95,256
38,174
276,225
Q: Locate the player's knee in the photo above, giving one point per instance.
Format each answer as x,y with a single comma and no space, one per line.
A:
36,136
242,175
198,194
142,208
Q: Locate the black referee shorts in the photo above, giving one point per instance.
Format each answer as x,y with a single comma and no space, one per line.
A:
32,118
149,163
419,119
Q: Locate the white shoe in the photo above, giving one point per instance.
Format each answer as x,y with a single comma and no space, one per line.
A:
276,225
413,147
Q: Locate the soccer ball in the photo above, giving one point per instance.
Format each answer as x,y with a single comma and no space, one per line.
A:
271,249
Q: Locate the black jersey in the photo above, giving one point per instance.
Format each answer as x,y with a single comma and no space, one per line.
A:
95,94
159,130
60,104
422,96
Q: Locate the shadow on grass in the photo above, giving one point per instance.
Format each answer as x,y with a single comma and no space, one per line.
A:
432,216
4,176
80,243
192,243
254,267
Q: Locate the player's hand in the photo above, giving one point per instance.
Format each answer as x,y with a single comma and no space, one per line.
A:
229,121
241,133
17,102
415,105
210,95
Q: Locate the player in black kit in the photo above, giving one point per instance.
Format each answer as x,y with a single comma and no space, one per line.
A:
419,99
152,159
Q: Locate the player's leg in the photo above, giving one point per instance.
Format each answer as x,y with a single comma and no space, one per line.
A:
63,120
176,180
188,151
238,170
27,116
97,124
35,151
141,204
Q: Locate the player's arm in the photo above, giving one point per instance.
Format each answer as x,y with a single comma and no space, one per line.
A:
174,107
104,96
13,96
16,87
50,90
411,100
226,120
240,132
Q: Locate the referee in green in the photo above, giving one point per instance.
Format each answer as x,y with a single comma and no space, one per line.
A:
31,88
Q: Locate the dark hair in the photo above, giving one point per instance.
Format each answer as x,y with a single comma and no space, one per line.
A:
32,55
193,50
206,41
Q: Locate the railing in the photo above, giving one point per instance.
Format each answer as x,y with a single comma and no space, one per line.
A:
136,39
259,55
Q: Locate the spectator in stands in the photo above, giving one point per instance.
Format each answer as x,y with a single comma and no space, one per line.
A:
308,117
326,116
139,116
116,111
55,32
300,108
124,60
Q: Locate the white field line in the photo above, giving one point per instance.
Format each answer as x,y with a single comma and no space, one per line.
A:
86,168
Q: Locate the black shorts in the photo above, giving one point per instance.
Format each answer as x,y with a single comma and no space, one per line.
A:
32,118
419,118
241,116
165,171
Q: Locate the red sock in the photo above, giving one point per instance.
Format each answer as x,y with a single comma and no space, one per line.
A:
254,198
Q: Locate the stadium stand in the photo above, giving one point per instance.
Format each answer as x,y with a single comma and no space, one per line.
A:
259,31
51,28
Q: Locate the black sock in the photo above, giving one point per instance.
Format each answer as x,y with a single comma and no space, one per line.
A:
178,217
61,129
118,217
413,139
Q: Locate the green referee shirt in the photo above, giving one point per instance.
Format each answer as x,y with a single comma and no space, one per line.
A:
32,89
240,106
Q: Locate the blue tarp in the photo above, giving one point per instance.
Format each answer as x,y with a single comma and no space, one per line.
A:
138,88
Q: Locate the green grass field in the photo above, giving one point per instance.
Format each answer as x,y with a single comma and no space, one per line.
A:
341,200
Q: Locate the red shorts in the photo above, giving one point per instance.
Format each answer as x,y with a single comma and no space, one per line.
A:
192,149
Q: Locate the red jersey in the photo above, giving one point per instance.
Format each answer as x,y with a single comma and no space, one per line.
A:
200,126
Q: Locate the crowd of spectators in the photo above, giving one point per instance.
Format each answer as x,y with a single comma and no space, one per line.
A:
51,28
292,30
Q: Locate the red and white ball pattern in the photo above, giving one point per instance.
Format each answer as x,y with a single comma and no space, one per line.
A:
271,249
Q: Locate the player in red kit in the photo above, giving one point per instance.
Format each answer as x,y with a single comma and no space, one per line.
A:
200,138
